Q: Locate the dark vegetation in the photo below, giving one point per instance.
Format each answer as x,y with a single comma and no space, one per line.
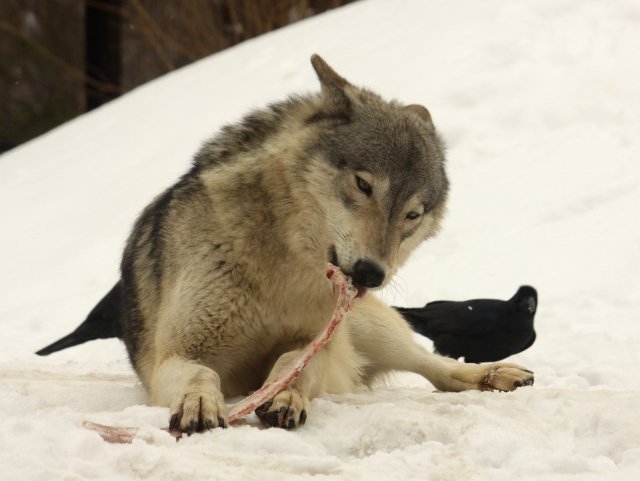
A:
59,58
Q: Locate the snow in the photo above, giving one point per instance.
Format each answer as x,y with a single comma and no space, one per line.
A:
538,102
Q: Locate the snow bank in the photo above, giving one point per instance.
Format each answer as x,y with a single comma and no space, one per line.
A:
538,103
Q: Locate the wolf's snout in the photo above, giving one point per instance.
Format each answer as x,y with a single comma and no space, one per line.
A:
367,274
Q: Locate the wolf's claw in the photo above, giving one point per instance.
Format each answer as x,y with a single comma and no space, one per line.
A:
285,411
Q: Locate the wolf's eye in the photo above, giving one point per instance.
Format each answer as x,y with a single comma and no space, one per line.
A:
364,186
413,215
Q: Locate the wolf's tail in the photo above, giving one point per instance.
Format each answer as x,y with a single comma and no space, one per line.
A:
104,321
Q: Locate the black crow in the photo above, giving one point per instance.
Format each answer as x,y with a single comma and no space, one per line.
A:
480,330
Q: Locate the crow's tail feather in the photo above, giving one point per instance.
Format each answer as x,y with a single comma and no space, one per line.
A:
104,321
417,319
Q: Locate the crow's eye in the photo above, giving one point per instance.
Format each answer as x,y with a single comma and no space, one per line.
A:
413,215
364,186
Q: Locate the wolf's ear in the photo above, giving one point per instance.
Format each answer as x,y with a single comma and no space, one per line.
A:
422,112
333,87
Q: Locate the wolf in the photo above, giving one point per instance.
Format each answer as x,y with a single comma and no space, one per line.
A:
223,275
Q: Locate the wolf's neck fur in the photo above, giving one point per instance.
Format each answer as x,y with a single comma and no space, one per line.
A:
254,130
255,173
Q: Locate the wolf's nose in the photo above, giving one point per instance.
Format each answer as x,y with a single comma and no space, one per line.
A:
367,273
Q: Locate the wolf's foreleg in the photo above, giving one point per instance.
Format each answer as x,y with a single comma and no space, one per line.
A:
192,392
288,408
382,336
336,368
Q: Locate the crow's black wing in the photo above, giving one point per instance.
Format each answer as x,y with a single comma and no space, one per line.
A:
467,318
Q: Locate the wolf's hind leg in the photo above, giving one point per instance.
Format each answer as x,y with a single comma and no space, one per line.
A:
192,392
386,339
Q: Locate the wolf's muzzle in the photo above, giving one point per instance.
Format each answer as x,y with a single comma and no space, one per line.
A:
367,274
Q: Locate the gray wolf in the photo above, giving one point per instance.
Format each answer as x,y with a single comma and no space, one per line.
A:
223,276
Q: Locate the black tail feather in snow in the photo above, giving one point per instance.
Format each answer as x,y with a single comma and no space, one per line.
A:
104,321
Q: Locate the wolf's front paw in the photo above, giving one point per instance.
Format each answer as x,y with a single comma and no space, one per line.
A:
287,410
195,412
504,376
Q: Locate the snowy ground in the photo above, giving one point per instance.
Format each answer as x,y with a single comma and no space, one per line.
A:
539,103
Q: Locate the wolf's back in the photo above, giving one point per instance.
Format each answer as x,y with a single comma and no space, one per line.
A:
104,321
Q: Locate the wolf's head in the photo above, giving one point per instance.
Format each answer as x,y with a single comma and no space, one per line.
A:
378,173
